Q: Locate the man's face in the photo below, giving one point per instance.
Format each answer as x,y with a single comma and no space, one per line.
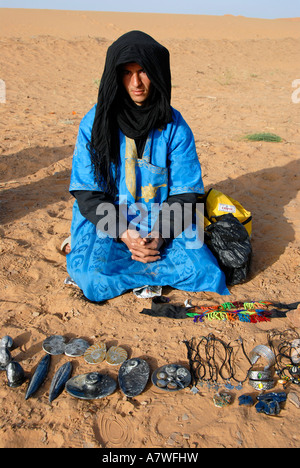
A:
136,83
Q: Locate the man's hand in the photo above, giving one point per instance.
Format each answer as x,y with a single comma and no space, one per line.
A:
145,250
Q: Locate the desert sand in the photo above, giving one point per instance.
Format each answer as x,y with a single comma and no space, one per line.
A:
231,76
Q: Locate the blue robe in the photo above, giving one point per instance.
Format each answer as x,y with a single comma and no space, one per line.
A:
101,266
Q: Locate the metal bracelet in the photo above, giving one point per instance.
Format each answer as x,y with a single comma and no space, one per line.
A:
260,374
264,352
261,384
295,351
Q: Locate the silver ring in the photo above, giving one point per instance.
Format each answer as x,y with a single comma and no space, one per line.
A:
260,374
264,352
262,385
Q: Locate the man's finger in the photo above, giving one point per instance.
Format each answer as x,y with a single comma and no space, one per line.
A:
149,259
144,253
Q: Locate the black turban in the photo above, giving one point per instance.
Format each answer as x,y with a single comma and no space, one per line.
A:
115,109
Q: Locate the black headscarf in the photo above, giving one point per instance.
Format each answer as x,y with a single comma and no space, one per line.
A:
115,109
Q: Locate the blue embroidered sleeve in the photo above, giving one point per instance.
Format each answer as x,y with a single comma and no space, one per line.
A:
184,166
82,176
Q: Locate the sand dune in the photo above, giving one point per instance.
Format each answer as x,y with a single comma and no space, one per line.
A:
231,76
70,24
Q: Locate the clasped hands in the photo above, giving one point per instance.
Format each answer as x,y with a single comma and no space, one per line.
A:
143,249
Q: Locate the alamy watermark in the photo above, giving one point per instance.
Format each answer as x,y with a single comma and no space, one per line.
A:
2,92
296,93
173,221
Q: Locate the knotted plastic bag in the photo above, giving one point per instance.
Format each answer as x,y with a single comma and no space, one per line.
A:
230,243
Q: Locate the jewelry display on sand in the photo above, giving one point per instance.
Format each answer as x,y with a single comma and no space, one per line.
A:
212,361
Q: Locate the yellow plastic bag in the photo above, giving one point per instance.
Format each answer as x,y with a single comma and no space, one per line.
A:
218,204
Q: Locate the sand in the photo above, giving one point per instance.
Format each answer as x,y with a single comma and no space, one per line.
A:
231,76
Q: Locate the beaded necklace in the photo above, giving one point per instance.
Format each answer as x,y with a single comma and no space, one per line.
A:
211,360
254,311
286,347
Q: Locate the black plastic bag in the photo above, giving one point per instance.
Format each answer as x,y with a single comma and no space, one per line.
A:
230,243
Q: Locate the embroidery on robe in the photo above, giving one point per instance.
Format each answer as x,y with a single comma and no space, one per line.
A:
130,161
149,192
